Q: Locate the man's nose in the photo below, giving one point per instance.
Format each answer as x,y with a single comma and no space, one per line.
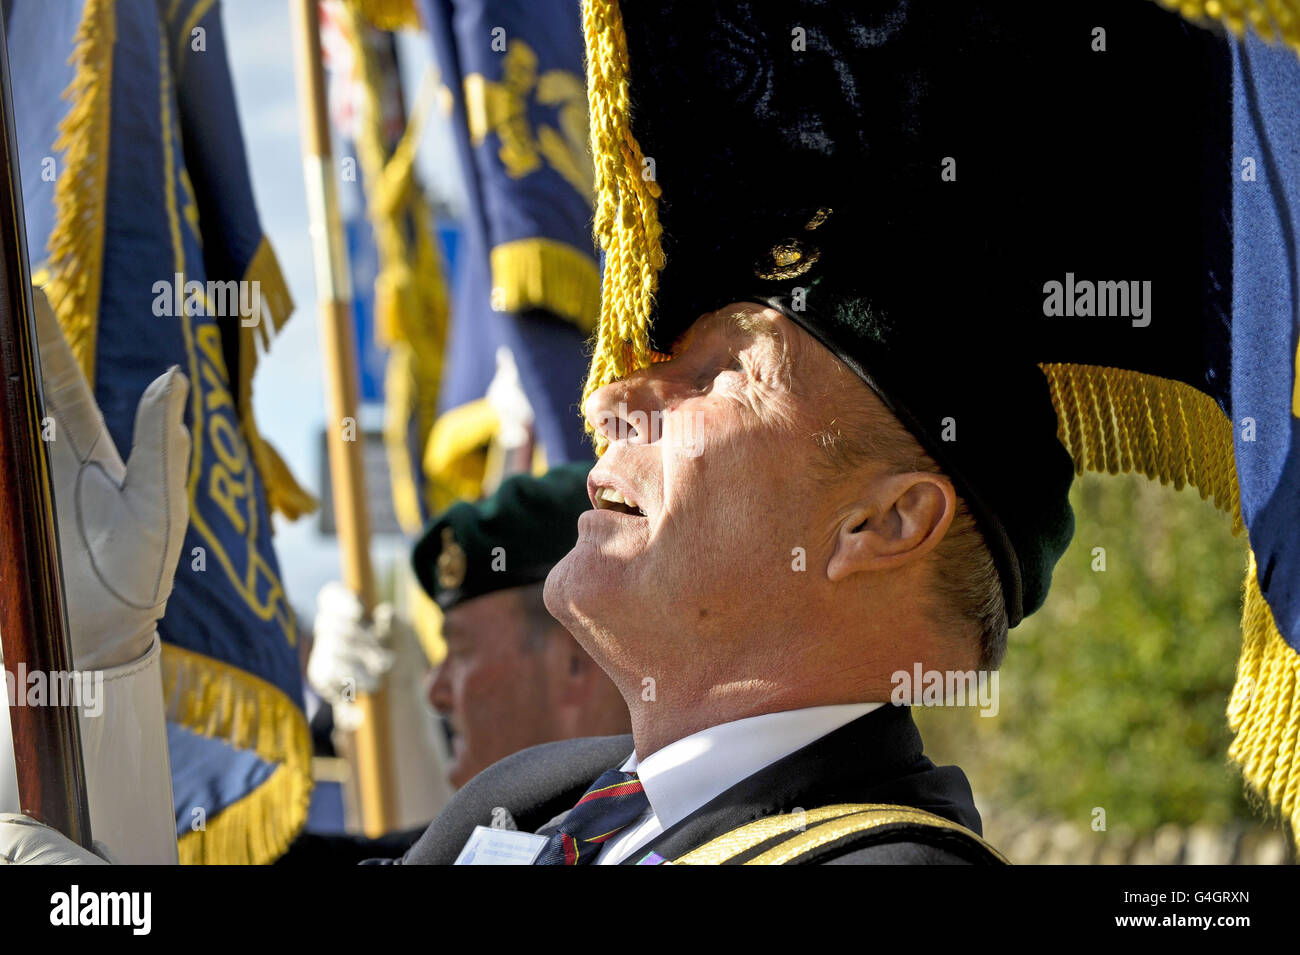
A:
627,410
438,690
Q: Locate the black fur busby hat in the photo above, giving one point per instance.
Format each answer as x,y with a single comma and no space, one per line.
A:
966,203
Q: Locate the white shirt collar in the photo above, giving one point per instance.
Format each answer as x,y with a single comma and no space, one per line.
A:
686,774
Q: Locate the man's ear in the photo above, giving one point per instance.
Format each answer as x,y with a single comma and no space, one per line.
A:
903,520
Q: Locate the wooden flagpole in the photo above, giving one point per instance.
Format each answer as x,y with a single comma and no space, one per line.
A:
372,743
33,625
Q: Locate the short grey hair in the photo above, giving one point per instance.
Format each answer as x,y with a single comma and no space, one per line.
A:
968,594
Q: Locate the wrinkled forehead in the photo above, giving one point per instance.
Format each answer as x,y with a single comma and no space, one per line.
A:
742,322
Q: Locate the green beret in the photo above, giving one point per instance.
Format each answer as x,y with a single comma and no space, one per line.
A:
507,540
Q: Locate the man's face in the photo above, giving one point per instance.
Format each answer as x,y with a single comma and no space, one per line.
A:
714,452
491,689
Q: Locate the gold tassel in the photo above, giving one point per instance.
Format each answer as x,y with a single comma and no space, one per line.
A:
283,492
76,243
1273,20
220,701
627,215
264,269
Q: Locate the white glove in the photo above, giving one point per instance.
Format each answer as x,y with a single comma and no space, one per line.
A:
24,841
120,527
347,656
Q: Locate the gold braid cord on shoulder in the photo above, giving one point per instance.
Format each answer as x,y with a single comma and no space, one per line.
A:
815,828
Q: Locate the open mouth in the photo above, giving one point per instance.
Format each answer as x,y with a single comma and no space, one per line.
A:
449,733
609,499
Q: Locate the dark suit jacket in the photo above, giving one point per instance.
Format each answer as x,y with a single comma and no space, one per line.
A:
876,758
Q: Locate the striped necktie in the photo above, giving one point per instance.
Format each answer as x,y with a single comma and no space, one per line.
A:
615,800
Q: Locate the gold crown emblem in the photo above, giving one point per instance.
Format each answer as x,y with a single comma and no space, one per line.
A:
451,562
793,257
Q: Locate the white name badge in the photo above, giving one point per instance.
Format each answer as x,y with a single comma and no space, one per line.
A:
487,846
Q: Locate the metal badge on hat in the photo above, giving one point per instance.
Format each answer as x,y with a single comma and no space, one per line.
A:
793,257
451,562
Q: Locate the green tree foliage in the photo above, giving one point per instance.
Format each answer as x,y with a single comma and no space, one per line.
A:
1114,694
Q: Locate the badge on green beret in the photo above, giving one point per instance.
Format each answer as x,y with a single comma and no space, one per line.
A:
451,562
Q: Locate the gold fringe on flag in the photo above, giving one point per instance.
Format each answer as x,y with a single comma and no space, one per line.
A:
220,701
76,243
206,695
1264,711
544,273
74,274
627,213
1120,421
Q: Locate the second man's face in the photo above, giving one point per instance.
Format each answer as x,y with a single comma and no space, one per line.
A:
490,690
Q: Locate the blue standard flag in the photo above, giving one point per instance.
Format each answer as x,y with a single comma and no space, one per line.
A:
529,284
1265,708
143,229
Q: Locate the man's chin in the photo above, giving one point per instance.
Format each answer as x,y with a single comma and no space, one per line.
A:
463,768
588,586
